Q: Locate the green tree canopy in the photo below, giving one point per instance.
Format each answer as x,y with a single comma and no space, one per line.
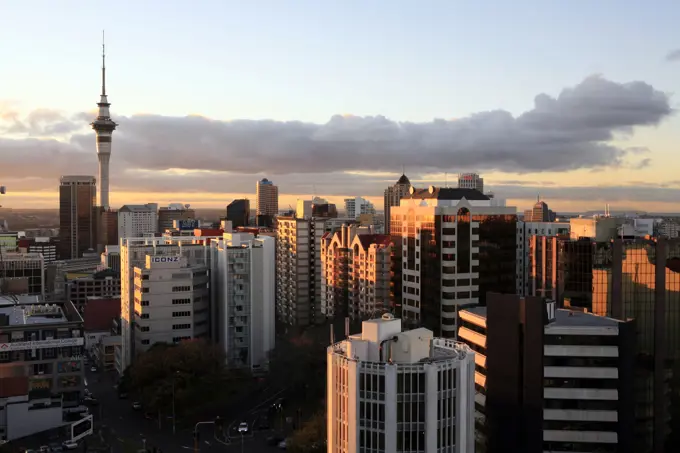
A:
311,438
195,368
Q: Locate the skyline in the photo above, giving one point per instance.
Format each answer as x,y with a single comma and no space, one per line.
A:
530,126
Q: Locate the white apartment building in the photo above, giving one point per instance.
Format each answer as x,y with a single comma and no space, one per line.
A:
137,220
525,231
171,302
133,253
356,206
392,391
243,277
298,270
355,273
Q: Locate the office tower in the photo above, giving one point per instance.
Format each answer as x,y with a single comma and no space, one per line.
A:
355,273
324,210
451,246
637,279
243,284
137,220
103,283
298,270
267,202
393,195
22,273
525,232
175,211
172,301
539,213
104,127
393,391
548,379
470,181
41,350
77,216
354,207
133,253
107,228
238,212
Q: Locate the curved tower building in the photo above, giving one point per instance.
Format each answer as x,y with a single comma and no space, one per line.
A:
104,128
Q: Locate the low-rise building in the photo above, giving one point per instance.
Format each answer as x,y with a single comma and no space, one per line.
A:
98,316
41,365
103,283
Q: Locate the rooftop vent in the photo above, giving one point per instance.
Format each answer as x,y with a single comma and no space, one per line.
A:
387,317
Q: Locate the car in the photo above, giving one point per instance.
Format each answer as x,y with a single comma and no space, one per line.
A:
282,444
93,369
243,427
44,449
137,405
69,445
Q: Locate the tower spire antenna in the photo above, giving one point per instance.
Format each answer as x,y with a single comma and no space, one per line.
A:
103,64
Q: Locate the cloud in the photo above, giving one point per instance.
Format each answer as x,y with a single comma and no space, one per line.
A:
573,130
673,55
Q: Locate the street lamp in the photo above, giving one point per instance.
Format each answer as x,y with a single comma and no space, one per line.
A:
173,401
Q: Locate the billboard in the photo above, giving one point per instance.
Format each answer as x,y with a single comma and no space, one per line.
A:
186,224
41,344
81,428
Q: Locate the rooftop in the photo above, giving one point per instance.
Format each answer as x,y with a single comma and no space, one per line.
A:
566,318
447,193
27,310
100,312
404,181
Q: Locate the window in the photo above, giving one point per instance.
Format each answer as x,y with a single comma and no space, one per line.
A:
180,314
181,326
145,342
144,316
145,303
145,328
181,301
179,289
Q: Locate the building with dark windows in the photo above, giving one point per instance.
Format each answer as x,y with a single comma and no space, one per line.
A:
638,279
41,365
550,379
77,216
238,212
451,246
22,273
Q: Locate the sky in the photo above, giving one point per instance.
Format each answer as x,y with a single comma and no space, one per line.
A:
572,101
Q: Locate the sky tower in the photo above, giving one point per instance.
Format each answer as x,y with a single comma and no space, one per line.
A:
104,128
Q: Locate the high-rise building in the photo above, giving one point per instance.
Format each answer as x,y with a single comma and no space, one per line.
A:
393,391
298,270
470,181
393,195
355,273
46,246
238,212
525,232
637,279
539,213
104,126
451,246
77,216
137,220
267,202
548,379
107,228
133,253
354,207
171,302
174,211
243,283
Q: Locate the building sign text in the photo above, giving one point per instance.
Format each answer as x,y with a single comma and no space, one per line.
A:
41,344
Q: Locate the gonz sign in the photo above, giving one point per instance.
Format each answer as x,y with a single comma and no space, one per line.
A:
165,259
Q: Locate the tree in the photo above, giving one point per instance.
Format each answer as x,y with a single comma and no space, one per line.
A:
194,369
311,438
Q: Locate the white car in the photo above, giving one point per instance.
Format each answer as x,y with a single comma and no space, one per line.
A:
70,445
136,405
93,369
243,427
